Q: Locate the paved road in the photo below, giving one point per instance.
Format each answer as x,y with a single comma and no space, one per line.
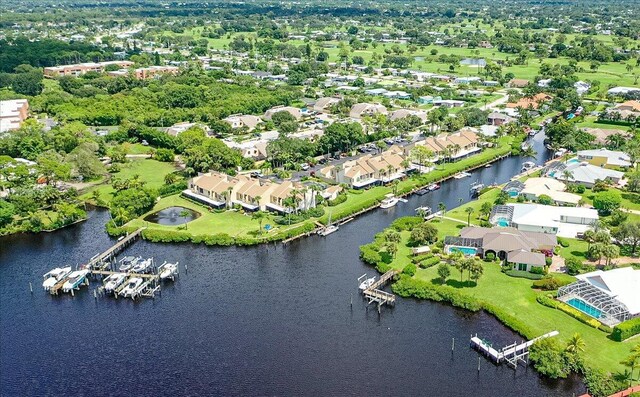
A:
497,102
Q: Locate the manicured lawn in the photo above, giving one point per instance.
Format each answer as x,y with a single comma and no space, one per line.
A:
150,171
233,223
517,297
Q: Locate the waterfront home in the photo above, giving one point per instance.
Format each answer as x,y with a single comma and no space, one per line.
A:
367,170
376,91
625,110
448,103
13,113
248,121
402,113
295,112
453,146
323,105
533,102
331,192
360,110
254,148
522,249
616,91
218,190
605,158
562,221
533,188
609,296
582,173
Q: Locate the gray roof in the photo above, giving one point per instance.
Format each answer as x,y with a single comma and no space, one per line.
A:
526,257
509,239
588,173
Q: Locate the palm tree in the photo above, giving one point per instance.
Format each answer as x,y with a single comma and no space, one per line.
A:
589,237
259,216
392,248
567,175
184,214
395,184
576,344
442,208
170,178
469,211
485,209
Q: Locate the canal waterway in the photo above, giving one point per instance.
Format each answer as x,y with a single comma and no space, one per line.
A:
267,320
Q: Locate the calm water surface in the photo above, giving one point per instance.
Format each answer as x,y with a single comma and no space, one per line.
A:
246,321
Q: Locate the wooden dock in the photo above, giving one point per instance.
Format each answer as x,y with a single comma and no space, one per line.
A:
512,354
373,294
98,261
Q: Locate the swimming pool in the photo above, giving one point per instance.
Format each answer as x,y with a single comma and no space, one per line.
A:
466,251
502,222
573,161
584,307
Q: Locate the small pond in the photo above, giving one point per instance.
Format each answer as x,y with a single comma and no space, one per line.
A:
172,216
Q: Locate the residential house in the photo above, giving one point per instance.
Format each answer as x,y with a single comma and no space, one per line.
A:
448,103
626,109
13,113
360,110
376,91
582,173
497,119
213,189
367,170
428,100
615,91
248,121
517,83
562,221
295,112
533,102
179,128
524,250
605,158
323,105
79,69
402,113
535,187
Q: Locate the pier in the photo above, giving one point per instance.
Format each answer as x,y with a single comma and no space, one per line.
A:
98,261
512,354
373,294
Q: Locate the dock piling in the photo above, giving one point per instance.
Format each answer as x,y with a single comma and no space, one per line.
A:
31,287
453,343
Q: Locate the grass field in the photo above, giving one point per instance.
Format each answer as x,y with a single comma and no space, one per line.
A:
150,171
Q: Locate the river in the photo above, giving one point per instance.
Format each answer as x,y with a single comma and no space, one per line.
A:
247,321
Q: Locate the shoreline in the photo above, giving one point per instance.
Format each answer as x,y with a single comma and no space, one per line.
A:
310,226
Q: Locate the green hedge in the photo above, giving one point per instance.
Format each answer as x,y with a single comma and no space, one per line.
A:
626,329
523,274
410,287
369,254
549,301
429,262
406,223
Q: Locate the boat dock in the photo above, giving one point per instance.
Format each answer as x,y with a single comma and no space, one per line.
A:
373,294
101,261
512,354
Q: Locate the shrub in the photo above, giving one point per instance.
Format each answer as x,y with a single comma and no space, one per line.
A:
601,383
537,270
410,270
563,243
411,287
490,257
164,155
369,254
338,200
429,262
573,266
523,274
626,329
165,236
547,283
406,223
608,201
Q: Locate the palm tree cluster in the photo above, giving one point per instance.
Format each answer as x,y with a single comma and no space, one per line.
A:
599,246
471,265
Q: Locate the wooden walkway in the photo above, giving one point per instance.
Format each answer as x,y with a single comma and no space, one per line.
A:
511,353
129,274
383,279
114,250
373,294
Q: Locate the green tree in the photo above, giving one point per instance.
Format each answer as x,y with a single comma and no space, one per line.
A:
52,167
469,211
7,211
548,359
443,272
259,216
424,233
629,233
608,201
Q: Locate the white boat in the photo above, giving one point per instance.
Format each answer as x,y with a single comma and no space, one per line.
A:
423,211
168,270
131,289
54,276
433,186
560,152
128,262
75,279
142,266
327,230
527,165
367,283
461,175
113,281
389,201
525,146
476,188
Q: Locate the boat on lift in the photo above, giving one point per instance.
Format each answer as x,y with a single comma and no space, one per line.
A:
128,262
461,175
143,266
424,211
527,165
476,188
168,270
76,278
54,276
366,283
113,281
131,288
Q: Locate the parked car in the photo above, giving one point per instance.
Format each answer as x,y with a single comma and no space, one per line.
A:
304,166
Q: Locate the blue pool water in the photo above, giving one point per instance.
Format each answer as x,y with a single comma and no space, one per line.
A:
584,307
467,251
503,222
573,161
